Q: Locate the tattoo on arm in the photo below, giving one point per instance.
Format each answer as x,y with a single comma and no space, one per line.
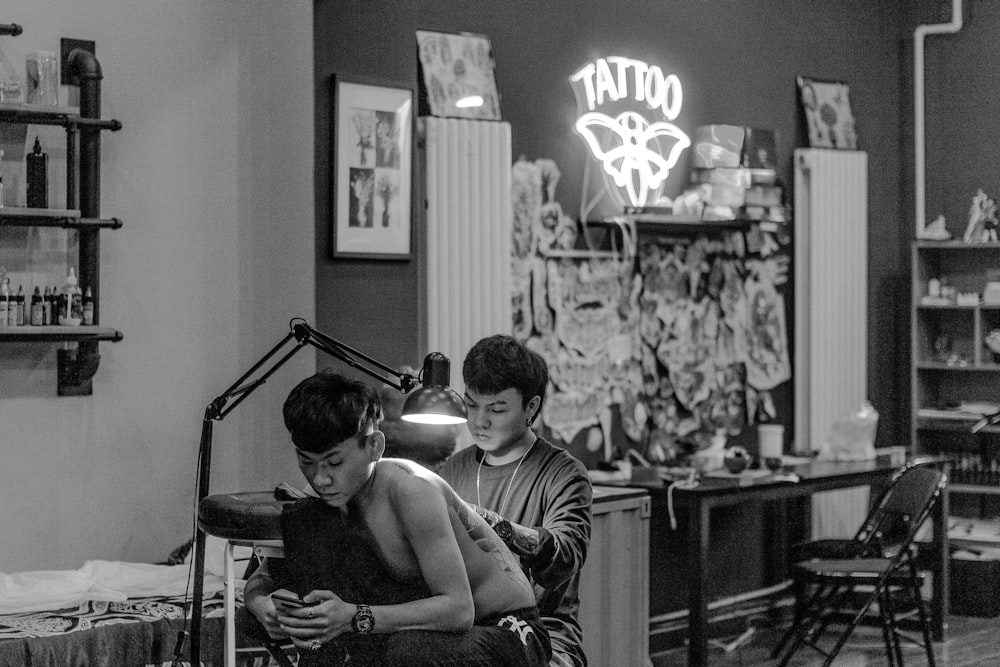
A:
524,542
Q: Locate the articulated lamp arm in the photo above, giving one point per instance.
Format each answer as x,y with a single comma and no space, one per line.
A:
433,403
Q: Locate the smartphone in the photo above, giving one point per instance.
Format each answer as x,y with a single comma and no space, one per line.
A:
290,601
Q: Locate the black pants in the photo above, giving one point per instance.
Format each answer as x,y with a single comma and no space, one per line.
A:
513,639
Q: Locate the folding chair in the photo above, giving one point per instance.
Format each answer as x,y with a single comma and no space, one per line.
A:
879,569
872,538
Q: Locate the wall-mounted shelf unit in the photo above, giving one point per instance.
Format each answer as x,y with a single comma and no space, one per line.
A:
83,125
955,378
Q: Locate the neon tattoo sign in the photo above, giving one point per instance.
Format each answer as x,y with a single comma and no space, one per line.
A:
637,154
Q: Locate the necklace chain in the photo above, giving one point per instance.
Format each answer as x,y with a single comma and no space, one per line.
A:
510,484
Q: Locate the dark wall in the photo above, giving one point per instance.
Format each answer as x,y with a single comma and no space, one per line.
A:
962,97
737,61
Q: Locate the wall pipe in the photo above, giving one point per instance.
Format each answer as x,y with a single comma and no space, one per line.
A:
919,166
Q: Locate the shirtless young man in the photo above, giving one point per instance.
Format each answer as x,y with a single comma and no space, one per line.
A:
400,569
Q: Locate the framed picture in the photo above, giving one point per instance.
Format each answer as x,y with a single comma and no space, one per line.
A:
456,76
827,109
372,169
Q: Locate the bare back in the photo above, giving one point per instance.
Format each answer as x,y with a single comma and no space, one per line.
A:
495,577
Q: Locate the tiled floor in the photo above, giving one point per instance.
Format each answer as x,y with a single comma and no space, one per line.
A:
972,642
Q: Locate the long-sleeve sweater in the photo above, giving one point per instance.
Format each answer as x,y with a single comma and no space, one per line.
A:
551,491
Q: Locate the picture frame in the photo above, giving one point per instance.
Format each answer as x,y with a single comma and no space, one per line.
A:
456,77
826,106
372,169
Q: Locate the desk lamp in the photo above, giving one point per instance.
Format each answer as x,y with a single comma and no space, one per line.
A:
432,403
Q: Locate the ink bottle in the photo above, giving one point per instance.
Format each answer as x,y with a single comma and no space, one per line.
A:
4,301
88,307
37,309
19,301
47,306
36,166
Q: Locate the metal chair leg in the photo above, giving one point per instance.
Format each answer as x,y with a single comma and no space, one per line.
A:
855,622
925,624
890,637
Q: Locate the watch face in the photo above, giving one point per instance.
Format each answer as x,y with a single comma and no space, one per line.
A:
504,530
364,621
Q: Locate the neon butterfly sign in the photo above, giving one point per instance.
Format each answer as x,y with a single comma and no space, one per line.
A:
637,155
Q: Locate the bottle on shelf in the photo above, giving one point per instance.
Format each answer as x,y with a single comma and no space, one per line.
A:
37,309
56,306
36,166
4,301
19,301
11,304
47,310
72,312
88,307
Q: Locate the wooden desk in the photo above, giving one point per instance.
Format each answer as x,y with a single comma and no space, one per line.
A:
813,477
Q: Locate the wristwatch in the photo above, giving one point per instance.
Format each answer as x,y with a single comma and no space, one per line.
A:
364,621
504,530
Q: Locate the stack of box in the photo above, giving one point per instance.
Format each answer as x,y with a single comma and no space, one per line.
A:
734,174
991,295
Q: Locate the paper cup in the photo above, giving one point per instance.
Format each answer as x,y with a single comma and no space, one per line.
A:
771,440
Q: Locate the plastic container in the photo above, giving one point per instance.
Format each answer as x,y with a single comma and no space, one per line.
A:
43,78
72,314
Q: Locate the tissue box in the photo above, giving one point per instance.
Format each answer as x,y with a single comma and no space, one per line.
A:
738,178
764,195
715,194
991,295
718,146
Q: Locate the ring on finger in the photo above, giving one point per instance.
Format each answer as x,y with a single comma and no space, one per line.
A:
310,614
315,645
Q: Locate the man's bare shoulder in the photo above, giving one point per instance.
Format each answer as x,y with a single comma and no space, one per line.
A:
408,481
419,476
404,470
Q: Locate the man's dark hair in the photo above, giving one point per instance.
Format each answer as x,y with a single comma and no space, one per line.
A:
499,362
328,408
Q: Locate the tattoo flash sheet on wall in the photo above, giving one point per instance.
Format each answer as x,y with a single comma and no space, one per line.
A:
692,342
828,114
456,76
574,311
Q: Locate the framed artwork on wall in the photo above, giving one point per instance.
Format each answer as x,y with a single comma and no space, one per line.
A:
827,109
372,169
456,76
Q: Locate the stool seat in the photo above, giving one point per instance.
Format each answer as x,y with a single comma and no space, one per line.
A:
251,516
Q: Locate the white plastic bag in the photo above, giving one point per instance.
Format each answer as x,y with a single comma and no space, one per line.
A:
852,437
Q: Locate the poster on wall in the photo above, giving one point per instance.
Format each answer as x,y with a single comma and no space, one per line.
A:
456,76
827,109
372,169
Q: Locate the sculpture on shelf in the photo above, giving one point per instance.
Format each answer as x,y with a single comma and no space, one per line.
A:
935,230
982,226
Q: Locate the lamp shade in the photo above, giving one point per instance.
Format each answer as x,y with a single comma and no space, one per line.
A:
434,402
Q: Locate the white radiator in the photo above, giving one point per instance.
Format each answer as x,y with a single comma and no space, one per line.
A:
831,312
466,167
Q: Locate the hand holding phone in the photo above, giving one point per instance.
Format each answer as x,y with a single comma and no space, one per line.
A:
289,600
